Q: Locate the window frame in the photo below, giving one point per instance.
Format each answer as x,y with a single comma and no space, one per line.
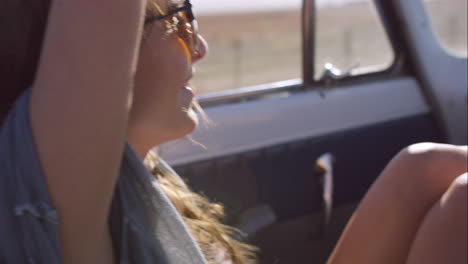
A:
401,65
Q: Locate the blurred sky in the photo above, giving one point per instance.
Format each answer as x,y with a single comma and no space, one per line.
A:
231,6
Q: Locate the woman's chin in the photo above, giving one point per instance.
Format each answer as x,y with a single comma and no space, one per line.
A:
193,119
188,121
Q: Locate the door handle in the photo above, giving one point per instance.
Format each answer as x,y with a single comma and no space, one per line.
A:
325,165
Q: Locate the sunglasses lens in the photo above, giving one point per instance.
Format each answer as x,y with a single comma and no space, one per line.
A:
187,31
187,52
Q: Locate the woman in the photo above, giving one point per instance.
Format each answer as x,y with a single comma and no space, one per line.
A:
111,72
108,72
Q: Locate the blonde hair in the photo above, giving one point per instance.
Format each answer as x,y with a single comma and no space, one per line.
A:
203,218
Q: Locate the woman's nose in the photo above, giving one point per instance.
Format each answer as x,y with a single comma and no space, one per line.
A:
202,49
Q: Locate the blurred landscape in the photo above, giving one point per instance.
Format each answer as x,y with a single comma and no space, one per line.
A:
256,48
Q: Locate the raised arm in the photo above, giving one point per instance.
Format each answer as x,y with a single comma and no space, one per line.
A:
79,108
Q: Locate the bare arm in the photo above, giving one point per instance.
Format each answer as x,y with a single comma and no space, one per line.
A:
79,110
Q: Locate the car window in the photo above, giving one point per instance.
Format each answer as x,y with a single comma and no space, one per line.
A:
350,34
449,23
251,43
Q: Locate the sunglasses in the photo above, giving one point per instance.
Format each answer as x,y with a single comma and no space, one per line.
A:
186,26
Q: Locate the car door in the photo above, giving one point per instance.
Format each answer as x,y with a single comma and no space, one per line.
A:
259,157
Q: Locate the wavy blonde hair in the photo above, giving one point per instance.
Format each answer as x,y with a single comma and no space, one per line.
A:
202,217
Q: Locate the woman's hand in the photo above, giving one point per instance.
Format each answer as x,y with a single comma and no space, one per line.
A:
79,109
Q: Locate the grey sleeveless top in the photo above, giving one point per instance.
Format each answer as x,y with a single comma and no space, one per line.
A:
145,226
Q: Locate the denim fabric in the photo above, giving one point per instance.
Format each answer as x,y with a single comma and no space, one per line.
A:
145,226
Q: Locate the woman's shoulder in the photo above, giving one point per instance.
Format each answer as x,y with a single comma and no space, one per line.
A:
149,216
